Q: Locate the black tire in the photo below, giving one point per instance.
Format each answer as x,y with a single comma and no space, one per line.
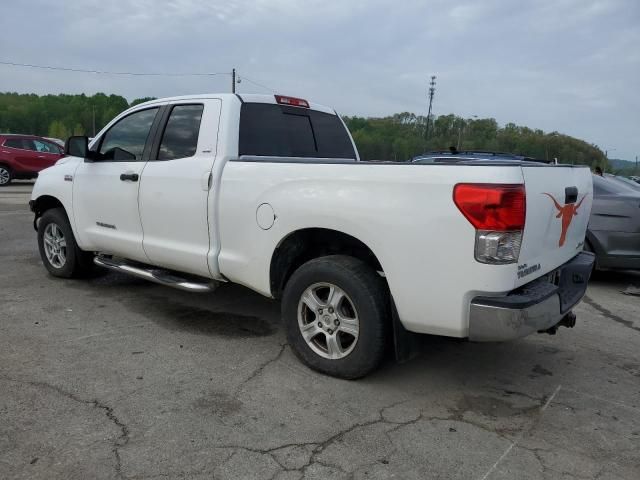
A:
367,292
6,176
587,247
77,263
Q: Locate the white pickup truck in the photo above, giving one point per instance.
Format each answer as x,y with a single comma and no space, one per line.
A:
269,192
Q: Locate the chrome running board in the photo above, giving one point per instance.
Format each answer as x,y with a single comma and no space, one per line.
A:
158,275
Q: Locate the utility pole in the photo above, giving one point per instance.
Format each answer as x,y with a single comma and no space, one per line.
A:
233,81
432,90
94,120
463,129
636,170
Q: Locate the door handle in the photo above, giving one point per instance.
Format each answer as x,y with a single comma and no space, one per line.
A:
129,176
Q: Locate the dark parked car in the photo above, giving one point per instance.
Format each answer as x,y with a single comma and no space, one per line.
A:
623,180
23,156
614,228
459,156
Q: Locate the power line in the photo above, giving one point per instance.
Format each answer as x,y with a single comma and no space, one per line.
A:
105,72
244,77
233,73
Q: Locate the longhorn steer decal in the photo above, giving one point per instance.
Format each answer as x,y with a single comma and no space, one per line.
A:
567,212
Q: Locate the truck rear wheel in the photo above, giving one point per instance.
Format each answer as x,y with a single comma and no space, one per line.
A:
335,310
58,248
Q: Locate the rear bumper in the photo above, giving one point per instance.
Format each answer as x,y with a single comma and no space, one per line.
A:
534,307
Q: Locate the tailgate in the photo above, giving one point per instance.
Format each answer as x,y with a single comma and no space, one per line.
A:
558,206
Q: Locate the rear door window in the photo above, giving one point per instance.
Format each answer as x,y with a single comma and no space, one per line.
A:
15,143
29,144
284,131
180,137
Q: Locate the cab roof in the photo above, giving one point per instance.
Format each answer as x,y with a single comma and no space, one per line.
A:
242,97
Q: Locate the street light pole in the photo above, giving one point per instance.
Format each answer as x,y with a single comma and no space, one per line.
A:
233,81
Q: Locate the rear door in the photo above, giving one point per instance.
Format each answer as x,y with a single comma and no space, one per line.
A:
22,151
559,202
175,187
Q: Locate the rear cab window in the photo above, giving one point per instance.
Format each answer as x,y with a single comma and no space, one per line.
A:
273,130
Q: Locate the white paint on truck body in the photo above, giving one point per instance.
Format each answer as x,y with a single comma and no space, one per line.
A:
403,212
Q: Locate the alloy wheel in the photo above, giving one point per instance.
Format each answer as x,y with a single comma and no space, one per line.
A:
55,245
328,320
5,176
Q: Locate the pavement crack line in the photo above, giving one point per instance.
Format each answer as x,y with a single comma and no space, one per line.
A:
522,434
381,419
320,446
610,315
260,369
119,442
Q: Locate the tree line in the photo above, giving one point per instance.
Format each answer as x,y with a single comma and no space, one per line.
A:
59,116
404,135
399,137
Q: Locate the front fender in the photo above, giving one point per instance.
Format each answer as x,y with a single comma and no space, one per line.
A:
56,182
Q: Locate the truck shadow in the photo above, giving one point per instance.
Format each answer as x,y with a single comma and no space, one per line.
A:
237,312
230,311
619,279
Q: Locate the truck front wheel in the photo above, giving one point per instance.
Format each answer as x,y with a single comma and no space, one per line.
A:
335,310
58,248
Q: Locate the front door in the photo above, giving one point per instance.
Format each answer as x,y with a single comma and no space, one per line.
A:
174,189
46,154
105,190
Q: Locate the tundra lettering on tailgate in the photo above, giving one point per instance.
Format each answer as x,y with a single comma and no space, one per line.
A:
524,269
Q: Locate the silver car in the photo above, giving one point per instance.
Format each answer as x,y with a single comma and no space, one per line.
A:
614,227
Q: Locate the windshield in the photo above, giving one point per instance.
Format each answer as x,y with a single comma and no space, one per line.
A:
624,181
609,186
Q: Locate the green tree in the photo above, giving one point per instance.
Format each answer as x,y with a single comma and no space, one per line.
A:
58,130
401,137
398,137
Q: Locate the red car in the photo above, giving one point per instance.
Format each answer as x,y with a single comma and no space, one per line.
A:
23,156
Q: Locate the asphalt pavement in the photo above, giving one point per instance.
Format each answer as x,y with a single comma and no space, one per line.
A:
114,377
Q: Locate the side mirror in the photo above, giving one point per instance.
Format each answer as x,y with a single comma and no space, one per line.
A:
77,146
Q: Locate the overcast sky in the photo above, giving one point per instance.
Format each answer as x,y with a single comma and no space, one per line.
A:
566,65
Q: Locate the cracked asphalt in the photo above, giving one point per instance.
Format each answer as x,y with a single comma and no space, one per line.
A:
116,378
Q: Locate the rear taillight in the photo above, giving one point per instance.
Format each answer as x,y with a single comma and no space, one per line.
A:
497,212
